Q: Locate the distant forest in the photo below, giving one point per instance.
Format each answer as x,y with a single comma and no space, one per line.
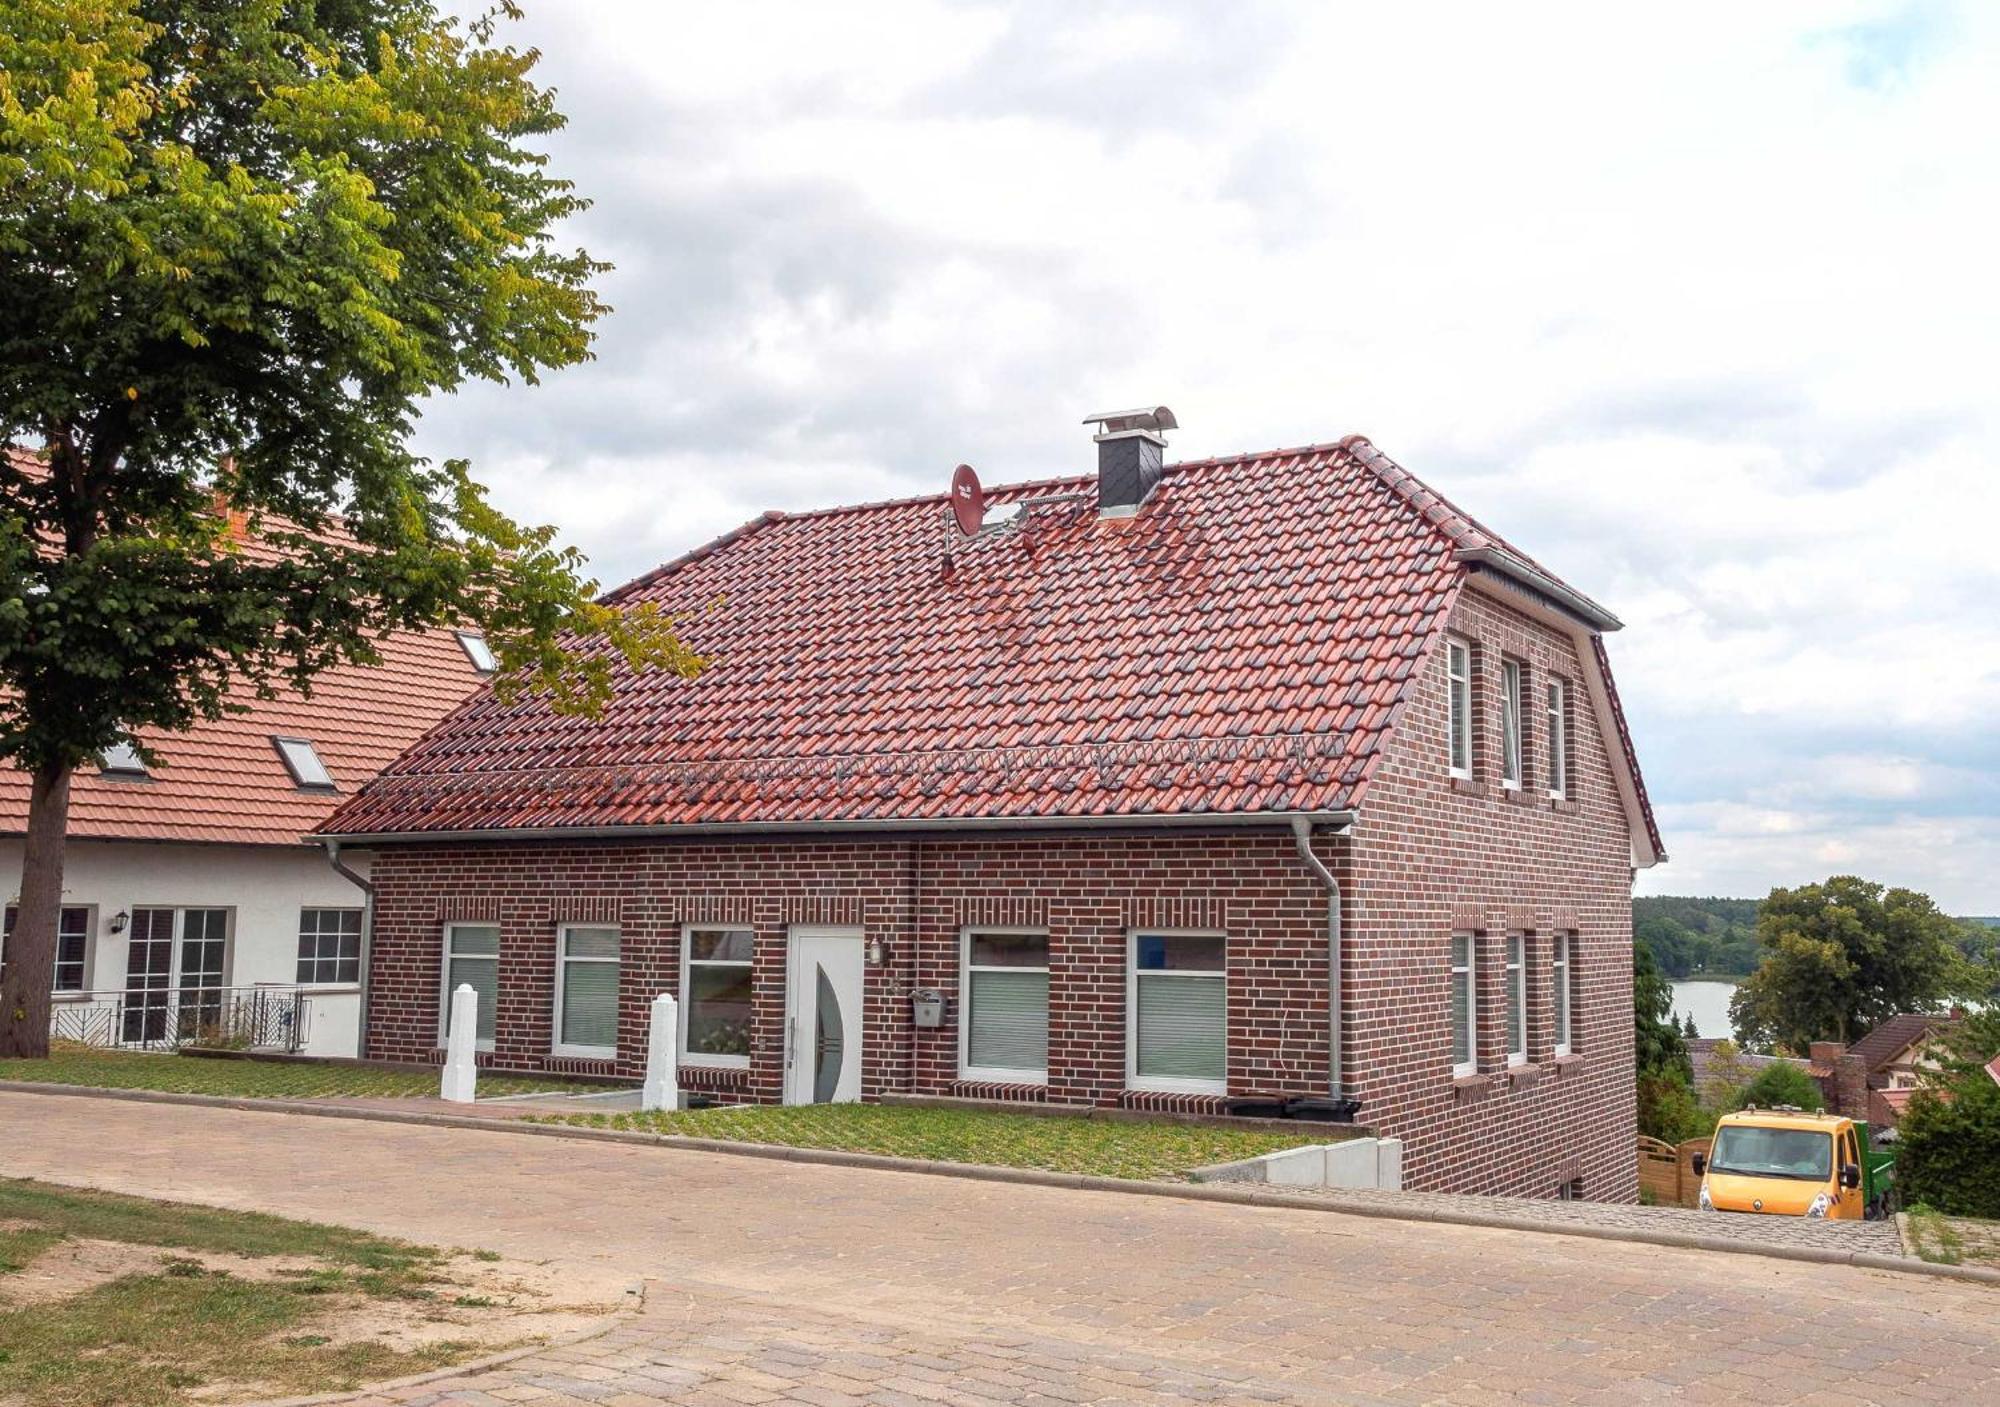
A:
1692,937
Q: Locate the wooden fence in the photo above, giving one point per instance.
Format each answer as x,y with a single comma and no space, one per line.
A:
1666,1173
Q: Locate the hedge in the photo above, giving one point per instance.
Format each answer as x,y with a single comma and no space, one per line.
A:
1949,1150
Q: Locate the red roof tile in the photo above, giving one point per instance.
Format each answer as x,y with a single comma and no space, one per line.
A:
1239,646
224,781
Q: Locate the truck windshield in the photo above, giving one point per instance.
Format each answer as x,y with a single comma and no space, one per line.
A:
1754,1152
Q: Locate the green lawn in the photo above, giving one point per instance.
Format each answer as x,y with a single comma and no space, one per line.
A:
251,1079
172,1329
1104,1147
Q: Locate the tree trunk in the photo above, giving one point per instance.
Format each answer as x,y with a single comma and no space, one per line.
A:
31,950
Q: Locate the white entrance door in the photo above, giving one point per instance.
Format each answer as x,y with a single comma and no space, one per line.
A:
823,1017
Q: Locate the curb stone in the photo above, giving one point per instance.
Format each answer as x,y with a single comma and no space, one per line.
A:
1036,1177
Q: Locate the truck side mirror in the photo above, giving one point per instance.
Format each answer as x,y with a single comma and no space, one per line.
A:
1850,1175
1699,1162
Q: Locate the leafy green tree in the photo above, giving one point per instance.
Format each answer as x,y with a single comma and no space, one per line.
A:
1840,957
1782,1084
240,241
1666,1101
1948,1140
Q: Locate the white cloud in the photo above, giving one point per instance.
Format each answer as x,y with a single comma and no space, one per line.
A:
1698,307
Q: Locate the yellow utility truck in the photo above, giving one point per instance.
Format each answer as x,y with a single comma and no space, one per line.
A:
1786,1162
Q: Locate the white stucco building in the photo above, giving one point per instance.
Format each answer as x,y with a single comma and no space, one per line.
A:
191,903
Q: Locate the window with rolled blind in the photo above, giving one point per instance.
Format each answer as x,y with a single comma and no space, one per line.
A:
1004,1007
1464,1007
471,959
1177,1013
587,991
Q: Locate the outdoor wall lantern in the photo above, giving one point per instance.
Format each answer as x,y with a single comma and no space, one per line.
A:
119,920
878,953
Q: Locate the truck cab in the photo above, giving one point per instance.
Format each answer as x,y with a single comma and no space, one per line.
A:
1786,1162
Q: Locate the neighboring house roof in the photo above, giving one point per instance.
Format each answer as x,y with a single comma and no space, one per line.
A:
1702,1061
1886,1106
1993,1069
1239,648
224,781
1894,1035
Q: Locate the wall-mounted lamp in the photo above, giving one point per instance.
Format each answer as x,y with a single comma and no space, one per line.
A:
878,953
119,920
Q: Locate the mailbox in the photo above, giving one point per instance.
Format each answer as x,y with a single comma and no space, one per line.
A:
927,1006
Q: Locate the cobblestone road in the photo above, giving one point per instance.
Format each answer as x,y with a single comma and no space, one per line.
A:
799,1284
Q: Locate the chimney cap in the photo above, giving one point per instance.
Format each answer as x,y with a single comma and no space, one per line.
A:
1151,419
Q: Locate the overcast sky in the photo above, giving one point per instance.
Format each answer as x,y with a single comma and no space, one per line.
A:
1698,305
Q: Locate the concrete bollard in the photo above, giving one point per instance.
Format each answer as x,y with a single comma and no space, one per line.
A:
662,1089
461,1076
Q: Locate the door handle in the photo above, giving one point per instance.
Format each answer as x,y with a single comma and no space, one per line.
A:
791,1040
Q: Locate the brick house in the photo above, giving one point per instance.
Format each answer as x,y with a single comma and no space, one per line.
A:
1271,774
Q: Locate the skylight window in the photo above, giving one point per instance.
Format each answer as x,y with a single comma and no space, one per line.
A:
478,651
122,760
303,763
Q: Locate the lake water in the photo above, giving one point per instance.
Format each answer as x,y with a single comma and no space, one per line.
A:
1708,1002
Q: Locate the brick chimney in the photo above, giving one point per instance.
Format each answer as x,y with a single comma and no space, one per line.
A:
1130,456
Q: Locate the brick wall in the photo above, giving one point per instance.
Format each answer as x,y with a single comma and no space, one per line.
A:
1432,855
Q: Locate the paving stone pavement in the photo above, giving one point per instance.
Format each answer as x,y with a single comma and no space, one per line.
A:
833,1287
1879,1237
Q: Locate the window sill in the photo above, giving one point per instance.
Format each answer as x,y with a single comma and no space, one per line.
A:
1523,1074
1144,1086
584,1052
1469,1086
975,1075
1565,1063
1466,786
714,1062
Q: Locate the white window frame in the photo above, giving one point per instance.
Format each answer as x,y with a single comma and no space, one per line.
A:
1510,724
445,956
993,1074
478,651
1458,718
360,945
1515,972
557,1046
302,760
61,994
1558,715
122,760
1562,993
1468,977
1157,1084
699,1059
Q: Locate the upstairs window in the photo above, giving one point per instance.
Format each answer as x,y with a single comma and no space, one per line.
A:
1559,993
1510,725
1003,1029
72,946
1464,1007
1458,691
1177,1013
303,763
122,760
1558,739
1517,999
478,651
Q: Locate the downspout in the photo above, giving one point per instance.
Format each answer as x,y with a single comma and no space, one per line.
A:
1335,1074
367,888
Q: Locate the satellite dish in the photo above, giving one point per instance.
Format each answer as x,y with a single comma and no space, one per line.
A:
968,500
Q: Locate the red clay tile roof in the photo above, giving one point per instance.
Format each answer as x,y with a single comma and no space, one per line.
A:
1993,1069
1240,646
224,781
1894,1035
